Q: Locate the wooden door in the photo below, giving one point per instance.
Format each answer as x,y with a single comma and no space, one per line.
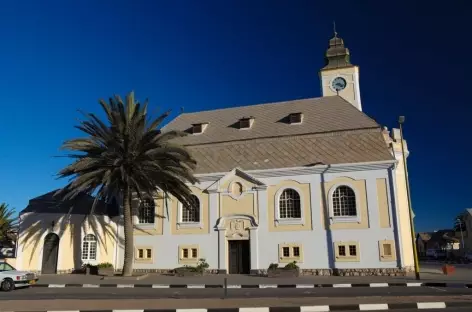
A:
239,257
50,254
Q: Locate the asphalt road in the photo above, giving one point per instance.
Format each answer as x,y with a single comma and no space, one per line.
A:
466,309
183,293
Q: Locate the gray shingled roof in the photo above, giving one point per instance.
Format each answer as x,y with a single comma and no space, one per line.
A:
333,132
324,114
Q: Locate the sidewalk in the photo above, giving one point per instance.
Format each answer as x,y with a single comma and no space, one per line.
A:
428,275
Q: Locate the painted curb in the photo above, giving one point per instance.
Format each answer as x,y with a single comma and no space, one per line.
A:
454,285
318,308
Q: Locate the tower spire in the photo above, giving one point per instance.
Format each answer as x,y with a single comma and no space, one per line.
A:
337,55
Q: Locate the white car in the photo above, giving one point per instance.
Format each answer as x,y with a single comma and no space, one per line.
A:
10,278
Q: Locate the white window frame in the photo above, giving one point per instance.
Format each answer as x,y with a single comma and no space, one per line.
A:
289,221
190,225
139,224
97,255
348,219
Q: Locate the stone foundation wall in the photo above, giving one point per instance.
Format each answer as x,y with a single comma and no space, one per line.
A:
303,272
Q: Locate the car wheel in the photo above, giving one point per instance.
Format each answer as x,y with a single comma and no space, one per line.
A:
7,285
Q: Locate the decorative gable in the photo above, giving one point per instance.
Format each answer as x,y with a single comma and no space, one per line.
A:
235,183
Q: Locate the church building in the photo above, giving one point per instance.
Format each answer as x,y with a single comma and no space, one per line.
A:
316,181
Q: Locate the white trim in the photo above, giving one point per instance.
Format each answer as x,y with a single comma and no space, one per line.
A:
293,171
97,248
357,92
190,225
398,225
289,221
145,226
348,219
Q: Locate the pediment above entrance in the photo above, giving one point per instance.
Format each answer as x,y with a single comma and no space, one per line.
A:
236,226
235,183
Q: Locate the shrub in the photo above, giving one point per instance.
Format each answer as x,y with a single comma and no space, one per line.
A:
202,265
291,266
105,265
273,266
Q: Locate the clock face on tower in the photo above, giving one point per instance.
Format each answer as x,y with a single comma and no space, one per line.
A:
338,83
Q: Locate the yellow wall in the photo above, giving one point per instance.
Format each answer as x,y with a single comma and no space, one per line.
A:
243,205
404,214
382,200
360,188
70,242
271,204
204,204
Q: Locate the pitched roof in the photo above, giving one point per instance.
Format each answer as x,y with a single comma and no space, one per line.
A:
287,152
81,205
332,132
324,114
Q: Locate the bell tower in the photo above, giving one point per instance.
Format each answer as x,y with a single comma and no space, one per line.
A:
339,76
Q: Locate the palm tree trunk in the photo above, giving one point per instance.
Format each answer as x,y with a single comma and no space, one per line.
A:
128,229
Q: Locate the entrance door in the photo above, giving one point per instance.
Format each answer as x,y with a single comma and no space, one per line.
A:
239,258
50,253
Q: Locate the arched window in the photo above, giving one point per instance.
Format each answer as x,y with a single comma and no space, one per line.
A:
289,205
344,202
146,211
191,214
89,247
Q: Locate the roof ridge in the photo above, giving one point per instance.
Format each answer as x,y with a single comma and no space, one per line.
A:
252,105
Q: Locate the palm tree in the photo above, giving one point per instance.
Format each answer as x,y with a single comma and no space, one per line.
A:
8,223
127,156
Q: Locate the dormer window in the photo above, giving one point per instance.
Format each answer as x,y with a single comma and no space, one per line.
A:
296,118
199,127
246,122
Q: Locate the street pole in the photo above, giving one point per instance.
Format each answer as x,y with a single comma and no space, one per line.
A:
401,120
462,235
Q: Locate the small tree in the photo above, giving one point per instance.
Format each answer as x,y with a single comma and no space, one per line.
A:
8,224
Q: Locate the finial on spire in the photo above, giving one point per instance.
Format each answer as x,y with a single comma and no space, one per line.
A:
334,29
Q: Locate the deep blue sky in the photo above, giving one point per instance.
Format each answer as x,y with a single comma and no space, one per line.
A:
60,56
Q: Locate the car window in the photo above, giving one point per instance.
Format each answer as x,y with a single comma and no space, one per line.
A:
6,267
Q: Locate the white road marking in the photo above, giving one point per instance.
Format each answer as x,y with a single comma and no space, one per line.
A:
253,309
373,307
378,284
305,286
160,286
196,286
267,285
342,285
431,305
319,308
57,285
